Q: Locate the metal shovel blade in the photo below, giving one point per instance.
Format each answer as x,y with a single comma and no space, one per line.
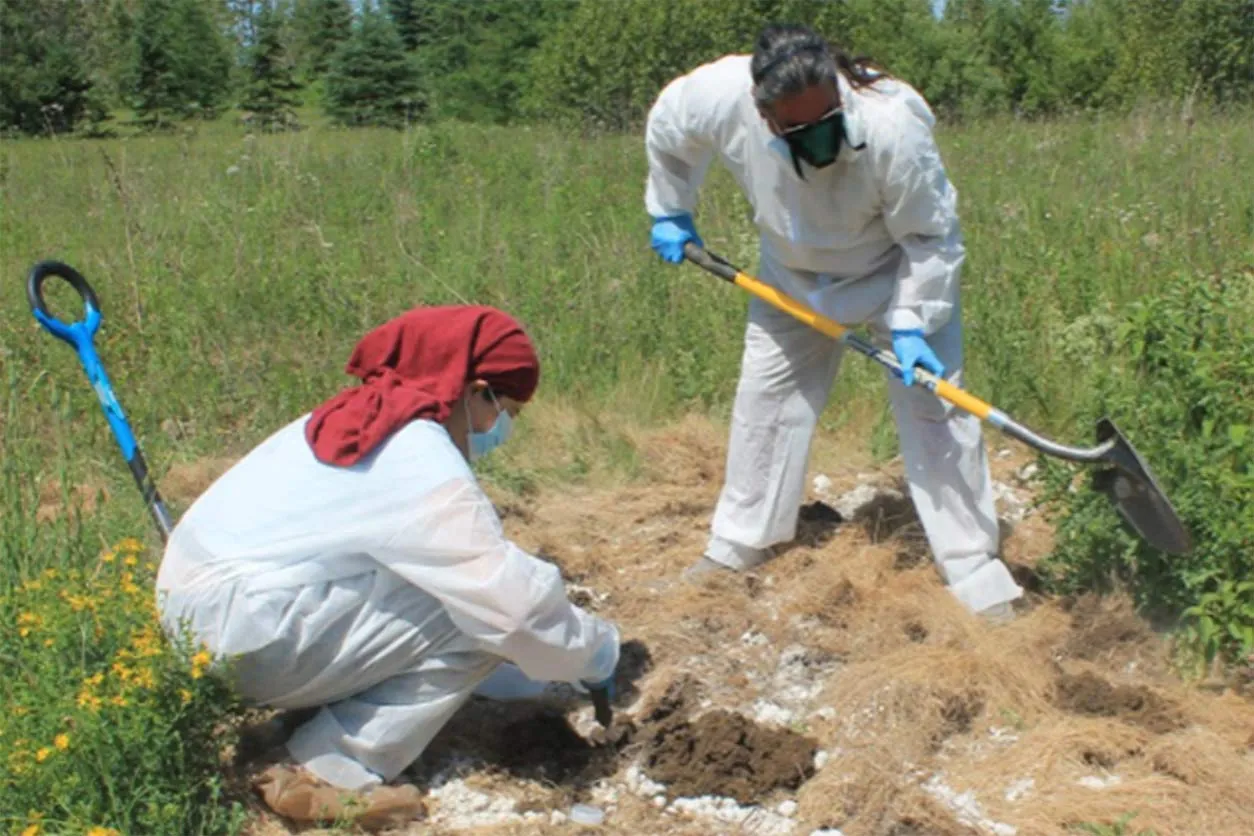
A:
1132,488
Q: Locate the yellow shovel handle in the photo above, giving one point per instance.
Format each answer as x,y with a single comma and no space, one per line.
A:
778,299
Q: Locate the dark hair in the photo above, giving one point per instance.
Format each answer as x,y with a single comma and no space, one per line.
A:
788,58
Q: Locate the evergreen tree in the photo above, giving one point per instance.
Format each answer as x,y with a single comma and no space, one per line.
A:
372,80
44,86
271,90
414,21
182,65
322,28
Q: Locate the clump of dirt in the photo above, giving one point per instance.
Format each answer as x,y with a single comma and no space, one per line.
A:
817,523
546,743
721,753
1089,694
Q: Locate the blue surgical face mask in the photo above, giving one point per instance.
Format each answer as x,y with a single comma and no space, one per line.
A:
483,443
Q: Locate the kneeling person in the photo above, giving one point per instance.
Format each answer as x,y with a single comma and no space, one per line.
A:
352,564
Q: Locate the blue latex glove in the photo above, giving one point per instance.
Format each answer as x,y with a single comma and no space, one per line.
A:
912,350
670,234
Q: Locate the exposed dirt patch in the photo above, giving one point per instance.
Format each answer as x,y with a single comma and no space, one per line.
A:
1090,695
722,753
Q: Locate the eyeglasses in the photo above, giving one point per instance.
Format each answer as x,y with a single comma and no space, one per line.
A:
805,126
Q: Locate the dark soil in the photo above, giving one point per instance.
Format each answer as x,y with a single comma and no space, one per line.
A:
1093,696
721,753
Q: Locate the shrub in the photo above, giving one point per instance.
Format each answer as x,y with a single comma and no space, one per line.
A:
109,727
1177,376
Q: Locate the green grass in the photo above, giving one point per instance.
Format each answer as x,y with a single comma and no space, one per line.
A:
237,272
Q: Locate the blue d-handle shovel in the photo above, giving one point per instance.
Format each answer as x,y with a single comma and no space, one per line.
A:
80,335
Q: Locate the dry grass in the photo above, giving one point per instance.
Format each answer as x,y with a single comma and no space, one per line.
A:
907,688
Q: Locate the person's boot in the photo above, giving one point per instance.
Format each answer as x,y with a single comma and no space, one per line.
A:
296,794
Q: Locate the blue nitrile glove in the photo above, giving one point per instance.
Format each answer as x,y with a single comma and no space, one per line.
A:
912,350
670,234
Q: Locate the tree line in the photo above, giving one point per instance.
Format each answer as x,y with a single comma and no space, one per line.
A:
70,65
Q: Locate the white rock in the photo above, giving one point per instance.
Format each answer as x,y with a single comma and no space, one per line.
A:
557,817
826,831
966,808
1027,473
769,713
822,484
820,759
1003,453
659,801
1096,782
858,499
752,638
787,808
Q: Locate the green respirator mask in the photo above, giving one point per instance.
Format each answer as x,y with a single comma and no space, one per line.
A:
817,143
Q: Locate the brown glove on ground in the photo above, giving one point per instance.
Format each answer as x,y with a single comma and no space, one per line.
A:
297,795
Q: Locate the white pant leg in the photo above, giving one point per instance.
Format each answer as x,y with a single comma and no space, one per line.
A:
947,469
381,657
355,742
786,375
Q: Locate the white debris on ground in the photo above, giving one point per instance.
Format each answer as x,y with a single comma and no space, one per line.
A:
1013,504
1020,788
641,784
850,505
1097,782
757,821
461,807
797,681
965,807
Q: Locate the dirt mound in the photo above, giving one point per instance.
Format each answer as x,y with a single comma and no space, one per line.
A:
720,753
1089,694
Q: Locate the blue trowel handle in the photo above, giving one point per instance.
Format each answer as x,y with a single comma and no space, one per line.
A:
79,336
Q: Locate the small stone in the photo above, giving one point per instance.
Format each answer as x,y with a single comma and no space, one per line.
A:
787,808
659,801
820,759
557,817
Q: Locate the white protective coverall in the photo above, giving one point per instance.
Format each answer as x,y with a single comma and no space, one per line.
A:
872,239
384,592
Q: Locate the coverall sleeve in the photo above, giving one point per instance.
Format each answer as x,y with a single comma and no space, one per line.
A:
511,603
680,138
921,212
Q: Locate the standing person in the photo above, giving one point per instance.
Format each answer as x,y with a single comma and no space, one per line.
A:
351,564
856,215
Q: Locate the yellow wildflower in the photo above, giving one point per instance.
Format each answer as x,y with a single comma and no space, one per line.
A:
50,573
129,544
88,700
31,830
21,710
202,658
49,642
32,586
185,695
102,831
131,560
144,678
94,679
122,671
42,754
108,557
119,701
61,741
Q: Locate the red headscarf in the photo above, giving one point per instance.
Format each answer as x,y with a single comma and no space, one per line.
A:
417,366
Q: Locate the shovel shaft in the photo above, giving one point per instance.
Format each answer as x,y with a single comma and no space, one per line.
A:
942,388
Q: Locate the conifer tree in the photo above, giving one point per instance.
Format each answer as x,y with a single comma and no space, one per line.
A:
182,65
271,91
372,80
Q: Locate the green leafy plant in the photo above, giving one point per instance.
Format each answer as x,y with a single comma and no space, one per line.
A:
109,727
1179,380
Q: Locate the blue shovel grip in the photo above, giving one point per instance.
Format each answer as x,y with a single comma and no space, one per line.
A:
80,335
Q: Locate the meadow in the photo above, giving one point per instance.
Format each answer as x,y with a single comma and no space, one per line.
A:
236,272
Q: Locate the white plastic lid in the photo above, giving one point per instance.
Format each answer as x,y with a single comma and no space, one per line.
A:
586,814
